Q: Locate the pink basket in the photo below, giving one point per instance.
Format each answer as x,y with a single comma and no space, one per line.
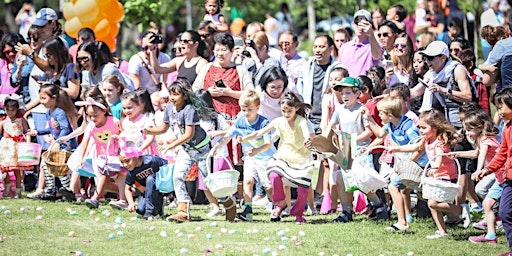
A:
29,153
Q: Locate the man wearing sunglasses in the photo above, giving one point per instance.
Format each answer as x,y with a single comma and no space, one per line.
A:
362,52
290,60
386,35
139,67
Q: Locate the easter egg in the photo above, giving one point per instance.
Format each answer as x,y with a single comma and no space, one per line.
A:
111,236
199,228
223,230
73,213
321,254
274,253
282,247
108,214
191,236
23,209
176,231
152,228
39,217
254,230
294,238
163,233
3,207
183,250
134,219
7,212
214,224
232,231
97,219
302,233
39,208
79,253
119,220
150,218
284,238
281,233
266,238
209,236
92,213
249,231
410,254
116,226
266,251
68,209
71,234
219,246
123,225
120,233
180,234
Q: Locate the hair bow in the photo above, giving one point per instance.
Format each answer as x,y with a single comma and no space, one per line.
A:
90,102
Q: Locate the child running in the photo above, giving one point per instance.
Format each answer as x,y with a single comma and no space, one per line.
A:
192,144
438,137
502,159
257,151
12,127
292,161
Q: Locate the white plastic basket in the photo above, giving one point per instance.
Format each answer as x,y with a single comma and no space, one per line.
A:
223,183
439,190
367,179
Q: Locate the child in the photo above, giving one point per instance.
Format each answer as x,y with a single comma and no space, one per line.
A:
292,161
351,119
212,13
13,127
141,173
438,137
136,116
216,126
192,144
330,102
257,152
501,159
112,89
62,119
402,131
99,135
479,128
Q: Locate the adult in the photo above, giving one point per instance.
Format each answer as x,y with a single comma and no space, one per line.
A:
23,67
386,36
121,64
84,35
176,53
142,71
93,65
260,56
437,19
290,60
493,17
498,64
26,15
195,56
7,61
340,37
402,57
284,18
255,27
48,25
206,30
363,51
272,28
425,38
457,45
314,77
455,27
378,16
234,79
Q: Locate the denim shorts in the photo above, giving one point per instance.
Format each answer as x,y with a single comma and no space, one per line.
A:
396,182
495,191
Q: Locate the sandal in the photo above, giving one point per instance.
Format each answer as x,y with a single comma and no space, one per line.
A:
396,228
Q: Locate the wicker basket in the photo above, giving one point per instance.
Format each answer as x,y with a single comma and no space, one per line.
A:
439,190
56,162
410,173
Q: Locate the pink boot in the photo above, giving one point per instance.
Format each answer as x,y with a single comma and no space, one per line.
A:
326,203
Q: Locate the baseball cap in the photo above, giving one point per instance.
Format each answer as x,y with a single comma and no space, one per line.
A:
349,82
436,48
43,16
363,13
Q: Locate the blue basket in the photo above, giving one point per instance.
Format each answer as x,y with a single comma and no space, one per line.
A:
87,170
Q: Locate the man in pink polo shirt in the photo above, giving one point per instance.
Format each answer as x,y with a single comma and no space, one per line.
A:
362,52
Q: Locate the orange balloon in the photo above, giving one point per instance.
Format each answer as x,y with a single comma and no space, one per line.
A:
86,10
102,29
114,29
68,10
72,26
110,41
237,26
116,12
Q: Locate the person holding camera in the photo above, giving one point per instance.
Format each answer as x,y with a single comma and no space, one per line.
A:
195,55
140,68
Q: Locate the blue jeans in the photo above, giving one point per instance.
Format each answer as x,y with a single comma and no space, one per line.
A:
152,200
184,160
505,211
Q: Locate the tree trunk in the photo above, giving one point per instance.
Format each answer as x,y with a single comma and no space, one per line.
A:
9,18
311,20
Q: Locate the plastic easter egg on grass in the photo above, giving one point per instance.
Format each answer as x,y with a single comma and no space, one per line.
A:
23,209
71,234
199,228
223,230
3,207
123,225
79,253
266,251
73,213
281,247
183,250
116,226
410,253
219,246
97,219
39,217
152,228
176,231
274,253
302,233
180,234
232,231
163,233
321,254
134,219
92,213
7,212
213,224
209,236
40,208
111,236
119,220
191,236
120,233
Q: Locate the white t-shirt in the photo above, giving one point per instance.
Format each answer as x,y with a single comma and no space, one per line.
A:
136,67
108,69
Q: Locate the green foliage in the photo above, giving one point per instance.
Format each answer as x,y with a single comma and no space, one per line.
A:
142,11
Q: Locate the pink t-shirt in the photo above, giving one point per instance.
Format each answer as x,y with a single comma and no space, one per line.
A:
102,136
448,168
357,57
492,148
138,125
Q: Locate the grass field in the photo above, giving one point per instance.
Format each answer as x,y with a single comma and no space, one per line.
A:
23,234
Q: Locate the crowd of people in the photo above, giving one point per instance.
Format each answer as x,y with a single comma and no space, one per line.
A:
251,102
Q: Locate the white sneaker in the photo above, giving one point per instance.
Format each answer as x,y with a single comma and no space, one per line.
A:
466,215
437,234
260,202
214,212
286,212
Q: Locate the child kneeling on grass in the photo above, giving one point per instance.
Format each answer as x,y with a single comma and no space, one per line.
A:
141,174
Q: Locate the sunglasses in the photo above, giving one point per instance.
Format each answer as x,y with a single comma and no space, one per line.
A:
145,48
431,58
179,49
8,52
284,44
386,34
402,45
206,35
186,41
455,50
82,59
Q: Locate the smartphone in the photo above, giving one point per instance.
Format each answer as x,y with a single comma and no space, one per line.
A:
389,64
220,83
239,41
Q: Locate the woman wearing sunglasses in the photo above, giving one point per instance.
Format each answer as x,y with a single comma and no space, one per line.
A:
399,69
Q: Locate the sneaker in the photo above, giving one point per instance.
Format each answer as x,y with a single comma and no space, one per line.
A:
481,239
286,212
48,197
68,195
378,212
17,193
409,218
311,211
260,202
275,216
437,234
36,194
482,225
466,215
119,204
214,212
148,215
344,217
92,203
246,215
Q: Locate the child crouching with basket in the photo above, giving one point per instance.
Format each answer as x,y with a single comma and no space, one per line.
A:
438,137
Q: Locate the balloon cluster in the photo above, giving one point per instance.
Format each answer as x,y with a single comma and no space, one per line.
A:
102,16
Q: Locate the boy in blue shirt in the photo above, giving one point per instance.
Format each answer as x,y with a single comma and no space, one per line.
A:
256,152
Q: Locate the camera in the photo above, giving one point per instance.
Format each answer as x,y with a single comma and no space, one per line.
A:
249,43
156,39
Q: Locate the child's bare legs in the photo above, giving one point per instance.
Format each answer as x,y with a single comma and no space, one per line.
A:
406,193
19,179
438,219
120,182
248,189
288,196
399,202
438,209
490,217
214,203
346,198
100,182
311,200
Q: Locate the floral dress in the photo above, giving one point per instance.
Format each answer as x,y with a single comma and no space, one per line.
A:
12,134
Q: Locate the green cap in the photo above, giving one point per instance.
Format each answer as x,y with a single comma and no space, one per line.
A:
349,82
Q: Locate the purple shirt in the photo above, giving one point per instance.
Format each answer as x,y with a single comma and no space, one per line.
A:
357,57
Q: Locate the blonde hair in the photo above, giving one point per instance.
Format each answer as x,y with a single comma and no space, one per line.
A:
248,98
260,39
391,105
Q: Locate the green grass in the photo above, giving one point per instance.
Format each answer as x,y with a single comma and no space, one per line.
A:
24,235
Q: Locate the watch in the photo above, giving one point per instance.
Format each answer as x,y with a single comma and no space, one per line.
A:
449,93
31,55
